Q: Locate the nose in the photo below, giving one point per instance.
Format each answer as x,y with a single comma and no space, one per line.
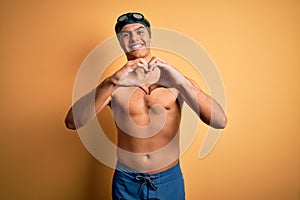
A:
134,37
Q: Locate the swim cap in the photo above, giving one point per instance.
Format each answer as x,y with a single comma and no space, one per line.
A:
131,18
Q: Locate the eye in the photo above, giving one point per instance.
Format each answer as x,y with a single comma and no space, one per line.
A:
140,32
125,35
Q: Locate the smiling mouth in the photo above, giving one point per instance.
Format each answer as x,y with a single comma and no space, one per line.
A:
136,47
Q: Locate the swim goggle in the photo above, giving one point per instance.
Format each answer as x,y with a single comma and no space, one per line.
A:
133,16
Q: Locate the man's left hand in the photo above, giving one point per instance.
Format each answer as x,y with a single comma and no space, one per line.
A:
169,76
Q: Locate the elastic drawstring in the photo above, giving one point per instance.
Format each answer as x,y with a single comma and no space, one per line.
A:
146,180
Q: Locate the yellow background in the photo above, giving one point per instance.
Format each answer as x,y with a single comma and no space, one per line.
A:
255,45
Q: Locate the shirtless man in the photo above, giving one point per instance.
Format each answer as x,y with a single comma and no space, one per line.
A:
146,97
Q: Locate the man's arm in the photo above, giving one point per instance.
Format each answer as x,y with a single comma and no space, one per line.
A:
208,109
89,105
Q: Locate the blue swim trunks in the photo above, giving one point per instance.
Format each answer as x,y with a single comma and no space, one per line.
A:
129,184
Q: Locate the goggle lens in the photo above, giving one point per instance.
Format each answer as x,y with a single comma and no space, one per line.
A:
122,18
125,17
137,16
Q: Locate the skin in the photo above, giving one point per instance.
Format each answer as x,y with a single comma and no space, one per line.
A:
146,97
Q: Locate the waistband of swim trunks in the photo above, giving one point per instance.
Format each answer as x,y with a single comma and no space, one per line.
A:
131,172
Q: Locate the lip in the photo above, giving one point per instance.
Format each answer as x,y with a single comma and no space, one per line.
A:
135,47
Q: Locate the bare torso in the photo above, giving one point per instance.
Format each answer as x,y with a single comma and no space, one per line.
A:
148,127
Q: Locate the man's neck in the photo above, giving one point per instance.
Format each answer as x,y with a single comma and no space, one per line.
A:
147,58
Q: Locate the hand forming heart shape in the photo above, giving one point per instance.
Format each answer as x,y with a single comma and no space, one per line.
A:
147,77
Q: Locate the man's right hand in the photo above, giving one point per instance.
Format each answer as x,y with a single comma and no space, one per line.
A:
136,73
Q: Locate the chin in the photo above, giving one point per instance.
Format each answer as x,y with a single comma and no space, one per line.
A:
138,54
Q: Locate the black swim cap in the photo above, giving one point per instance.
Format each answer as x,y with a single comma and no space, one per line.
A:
131,18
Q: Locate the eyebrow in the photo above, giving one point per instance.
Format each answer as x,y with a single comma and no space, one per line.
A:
136,29
141,27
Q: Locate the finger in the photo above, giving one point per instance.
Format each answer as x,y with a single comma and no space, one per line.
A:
143,61
151,67
163,66
129,69
130,66
152,61
145,67
156,60
161,60
160,65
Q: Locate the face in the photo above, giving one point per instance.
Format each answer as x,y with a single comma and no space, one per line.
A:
135,41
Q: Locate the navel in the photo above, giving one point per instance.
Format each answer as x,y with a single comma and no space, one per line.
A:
146,156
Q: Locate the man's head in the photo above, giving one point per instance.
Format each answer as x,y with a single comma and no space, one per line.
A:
133,32
131,18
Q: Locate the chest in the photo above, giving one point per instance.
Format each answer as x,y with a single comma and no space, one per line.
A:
135,99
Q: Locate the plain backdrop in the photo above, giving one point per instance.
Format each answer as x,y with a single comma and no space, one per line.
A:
255,45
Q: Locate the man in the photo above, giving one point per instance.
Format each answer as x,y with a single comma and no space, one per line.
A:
146,96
